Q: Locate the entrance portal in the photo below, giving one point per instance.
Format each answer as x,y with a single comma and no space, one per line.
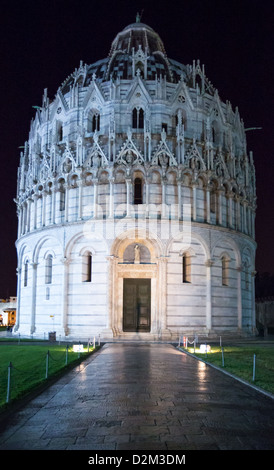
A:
136,305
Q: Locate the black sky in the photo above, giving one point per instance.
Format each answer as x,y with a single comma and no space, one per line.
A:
42,42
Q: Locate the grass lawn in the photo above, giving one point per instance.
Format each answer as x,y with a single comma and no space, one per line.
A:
29,364
239,361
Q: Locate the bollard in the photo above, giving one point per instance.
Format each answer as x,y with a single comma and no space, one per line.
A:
254,366
94,342
47,364
8,386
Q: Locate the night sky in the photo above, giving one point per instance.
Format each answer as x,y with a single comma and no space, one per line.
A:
42,42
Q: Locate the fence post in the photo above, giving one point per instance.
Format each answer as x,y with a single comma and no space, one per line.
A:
67,355
254,366
47,364
8,386
94,342
223,362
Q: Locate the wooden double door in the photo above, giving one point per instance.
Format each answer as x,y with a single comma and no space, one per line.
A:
137,305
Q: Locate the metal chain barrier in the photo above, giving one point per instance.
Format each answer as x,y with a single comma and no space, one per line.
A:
40,370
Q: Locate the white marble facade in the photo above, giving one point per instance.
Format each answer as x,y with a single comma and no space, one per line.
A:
136,149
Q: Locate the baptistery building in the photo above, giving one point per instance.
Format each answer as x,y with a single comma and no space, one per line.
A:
136,203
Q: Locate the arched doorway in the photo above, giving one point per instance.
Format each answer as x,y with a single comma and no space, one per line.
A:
134,303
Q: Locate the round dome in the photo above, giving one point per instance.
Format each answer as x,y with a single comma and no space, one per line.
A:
136,203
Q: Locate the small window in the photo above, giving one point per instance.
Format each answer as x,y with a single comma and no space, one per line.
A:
246,278
138,118
87,268
48,272
62,201
164,127
225,271
96,122
47,293
186,268
59,131
138,196
26,272
213,202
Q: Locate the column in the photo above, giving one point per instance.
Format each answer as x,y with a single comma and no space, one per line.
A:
18,309
44,208
110,300
111,198
208,265
194,202
128,183
147,197
239,299
80,199
95,197
238,214
179,198
53,204
24,218
245,230
19,230
66,187
162,289
64,294
164,198
35,197
220,207
33,297
230,209
208,205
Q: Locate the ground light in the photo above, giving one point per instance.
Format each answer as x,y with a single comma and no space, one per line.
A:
204,348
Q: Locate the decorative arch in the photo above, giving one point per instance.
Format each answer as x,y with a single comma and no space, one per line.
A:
41,243
233,245
154,245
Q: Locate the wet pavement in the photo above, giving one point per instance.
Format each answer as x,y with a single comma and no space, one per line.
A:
143,396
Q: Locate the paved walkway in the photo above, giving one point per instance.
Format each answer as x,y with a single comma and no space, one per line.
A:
143,397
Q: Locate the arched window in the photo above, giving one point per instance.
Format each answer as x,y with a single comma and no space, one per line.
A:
138,191
26,272
62,201
213,201
95,122
48,270
87,267
225,270
186,268
59,131
138,118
